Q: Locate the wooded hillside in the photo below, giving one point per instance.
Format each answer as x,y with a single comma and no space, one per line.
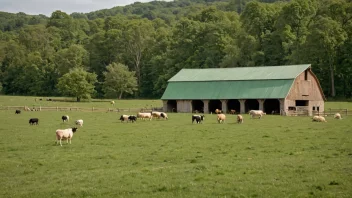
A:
157,39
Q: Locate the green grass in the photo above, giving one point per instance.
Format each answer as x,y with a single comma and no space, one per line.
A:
272,157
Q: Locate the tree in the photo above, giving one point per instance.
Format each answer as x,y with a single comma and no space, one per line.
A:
326,37
119,80
77,83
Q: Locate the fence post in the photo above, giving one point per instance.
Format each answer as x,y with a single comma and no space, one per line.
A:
92,108
57,108
40,108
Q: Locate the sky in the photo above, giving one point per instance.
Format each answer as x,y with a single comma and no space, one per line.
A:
46,7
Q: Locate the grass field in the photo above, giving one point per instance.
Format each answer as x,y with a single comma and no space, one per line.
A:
105,103
272,157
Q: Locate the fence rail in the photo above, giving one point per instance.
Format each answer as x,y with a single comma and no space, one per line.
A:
84,109
328,112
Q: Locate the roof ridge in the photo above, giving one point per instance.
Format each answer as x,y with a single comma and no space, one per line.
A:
243,67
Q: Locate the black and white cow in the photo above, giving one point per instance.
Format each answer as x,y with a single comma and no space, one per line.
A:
33,121
197,118
18,111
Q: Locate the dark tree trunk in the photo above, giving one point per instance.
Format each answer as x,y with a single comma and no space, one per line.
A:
332,82
120,96
78,99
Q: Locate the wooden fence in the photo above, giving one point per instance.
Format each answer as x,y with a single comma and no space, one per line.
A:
84,109
328,112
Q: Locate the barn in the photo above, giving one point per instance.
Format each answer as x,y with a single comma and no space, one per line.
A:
273,89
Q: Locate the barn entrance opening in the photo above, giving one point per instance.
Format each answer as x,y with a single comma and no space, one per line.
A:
214,104
272,106
233,105
197,106
171,106
251,104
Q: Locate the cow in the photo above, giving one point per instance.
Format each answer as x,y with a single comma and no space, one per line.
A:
65,134
65,118
144,116
239,119
221,118
258,113
18,111
33,121
79,122
198,118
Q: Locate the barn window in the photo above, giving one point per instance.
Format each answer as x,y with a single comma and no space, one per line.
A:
302,102
313,108
306,75
317,108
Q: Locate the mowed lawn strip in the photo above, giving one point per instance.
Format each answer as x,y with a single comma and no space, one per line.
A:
272,157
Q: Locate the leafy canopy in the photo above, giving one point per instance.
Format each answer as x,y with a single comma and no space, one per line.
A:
119,80
77,83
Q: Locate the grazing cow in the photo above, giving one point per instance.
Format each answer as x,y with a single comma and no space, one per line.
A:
79,122
318,119
217,111
132,118
65,134
144,116
33,121
239,119
112,103
221,118
337,116
198,118
65,118
124,118
232,111
258,113
18,111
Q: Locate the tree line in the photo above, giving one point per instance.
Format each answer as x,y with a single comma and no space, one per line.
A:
132,51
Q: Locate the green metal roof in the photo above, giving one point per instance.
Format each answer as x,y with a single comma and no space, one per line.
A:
240,73
245,89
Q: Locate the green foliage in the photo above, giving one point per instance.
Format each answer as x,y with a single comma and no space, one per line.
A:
77,83
119,80
157,39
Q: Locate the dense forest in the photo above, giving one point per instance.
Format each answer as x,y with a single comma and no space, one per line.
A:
131,51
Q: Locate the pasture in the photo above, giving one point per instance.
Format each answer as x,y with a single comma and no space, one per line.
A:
272,157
